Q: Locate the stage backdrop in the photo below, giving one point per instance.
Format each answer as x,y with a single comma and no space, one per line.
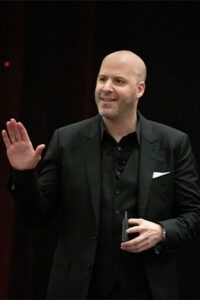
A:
49,58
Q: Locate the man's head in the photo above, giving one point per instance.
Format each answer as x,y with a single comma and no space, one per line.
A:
120,84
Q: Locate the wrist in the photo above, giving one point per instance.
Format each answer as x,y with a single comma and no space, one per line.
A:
163,236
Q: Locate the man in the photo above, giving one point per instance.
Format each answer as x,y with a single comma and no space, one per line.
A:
99,171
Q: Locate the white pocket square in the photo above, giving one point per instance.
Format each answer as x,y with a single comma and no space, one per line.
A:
159,174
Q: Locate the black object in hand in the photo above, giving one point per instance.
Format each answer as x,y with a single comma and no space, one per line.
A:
126,237
124,227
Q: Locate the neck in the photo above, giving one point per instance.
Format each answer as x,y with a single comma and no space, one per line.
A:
120,128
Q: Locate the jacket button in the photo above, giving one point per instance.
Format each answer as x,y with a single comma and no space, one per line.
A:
13,187
117,212
88,267
117,191
94,237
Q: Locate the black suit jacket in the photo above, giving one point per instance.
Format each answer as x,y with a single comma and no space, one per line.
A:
70,180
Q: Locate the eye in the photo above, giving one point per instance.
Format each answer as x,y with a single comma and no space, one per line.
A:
102,79
119,81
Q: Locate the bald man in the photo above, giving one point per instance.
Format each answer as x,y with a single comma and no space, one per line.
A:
127,189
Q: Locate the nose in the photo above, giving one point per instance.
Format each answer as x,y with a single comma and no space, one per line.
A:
107,86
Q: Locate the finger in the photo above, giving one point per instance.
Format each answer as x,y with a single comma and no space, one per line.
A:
135,247
130,248
131,243
23,132
38,151
15,129
6,139
10,125
132,221
143,247
134,229
138,250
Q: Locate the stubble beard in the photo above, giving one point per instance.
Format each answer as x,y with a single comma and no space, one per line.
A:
106,111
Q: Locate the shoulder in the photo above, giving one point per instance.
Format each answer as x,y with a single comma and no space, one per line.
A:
168,136
158,129
81,125
79,129
74,133
166,129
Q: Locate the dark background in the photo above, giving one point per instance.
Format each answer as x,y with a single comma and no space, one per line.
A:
54,49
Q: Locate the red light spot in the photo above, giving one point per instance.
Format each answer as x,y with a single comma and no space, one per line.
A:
6,64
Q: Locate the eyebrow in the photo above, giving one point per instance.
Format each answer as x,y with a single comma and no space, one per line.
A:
114,76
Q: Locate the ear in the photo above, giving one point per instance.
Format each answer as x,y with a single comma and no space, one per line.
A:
140,89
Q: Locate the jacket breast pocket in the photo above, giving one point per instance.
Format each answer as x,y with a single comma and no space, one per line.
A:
165,179
161,192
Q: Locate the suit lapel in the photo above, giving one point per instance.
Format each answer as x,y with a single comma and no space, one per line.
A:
93,165
148,153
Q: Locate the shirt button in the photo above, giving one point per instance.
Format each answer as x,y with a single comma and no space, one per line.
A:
119,148
94,237
117,191
13,187
117,212
118,174
88,267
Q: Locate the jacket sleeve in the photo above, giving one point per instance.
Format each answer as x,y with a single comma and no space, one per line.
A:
37,192
185,225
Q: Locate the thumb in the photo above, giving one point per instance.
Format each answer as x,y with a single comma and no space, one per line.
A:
38,150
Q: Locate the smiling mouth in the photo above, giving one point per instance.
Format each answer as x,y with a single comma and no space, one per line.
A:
107,99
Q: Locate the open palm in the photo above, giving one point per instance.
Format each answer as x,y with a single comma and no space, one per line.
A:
20,151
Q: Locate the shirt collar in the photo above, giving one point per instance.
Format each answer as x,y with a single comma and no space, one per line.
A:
138,128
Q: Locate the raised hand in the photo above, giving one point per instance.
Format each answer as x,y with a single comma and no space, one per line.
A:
20,151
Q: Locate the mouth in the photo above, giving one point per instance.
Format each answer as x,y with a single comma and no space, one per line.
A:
106,99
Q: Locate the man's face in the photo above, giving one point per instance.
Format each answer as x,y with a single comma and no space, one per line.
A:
117,89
